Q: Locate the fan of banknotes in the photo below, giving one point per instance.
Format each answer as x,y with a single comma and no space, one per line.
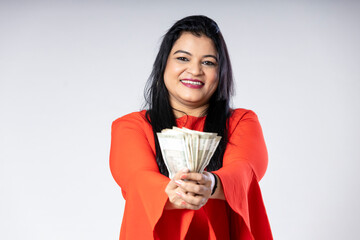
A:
184,148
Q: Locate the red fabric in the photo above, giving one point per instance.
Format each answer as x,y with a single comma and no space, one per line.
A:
133,166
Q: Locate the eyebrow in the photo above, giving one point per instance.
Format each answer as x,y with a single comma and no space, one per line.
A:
185,52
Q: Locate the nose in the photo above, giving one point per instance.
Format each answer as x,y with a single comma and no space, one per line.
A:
195,69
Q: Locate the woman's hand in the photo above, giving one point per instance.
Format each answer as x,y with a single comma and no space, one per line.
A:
190,190
196,189
173,190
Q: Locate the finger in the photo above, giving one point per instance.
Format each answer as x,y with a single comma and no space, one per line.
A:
193,201
181,173
189,206
197,177
192,187
171,186
174,196
179,204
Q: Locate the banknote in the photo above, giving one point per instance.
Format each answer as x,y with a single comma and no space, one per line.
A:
184,148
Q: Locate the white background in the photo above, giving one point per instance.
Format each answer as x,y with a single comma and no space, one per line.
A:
67,70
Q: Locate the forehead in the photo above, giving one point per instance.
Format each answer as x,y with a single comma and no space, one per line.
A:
194,44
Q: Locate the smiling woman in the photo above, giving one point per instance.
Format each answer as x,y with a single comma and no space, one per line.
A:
191,86
191,74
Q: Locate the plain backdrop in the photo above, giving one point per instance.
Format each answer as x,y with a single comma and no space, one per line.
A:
68,69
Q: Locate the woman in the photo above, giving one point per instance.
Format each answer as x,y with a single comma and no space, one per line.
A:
190,86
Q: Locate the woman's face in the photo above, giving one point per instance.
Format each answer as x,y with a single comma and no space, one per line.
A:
191,73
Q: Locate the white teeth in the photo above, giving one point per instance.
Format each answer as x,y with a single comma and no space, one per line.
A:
191,82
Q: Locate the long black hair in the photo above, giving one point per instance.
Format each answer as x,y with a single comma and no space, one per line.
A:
160,113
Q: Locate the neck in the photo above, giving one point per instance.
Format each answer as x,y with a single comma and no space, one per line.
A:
196,112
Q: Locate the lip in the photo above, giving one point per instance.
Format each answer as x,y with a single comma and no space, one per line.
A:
196,86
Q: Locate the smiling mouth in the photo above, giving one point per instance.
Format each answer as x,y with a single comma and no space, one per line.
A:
192,82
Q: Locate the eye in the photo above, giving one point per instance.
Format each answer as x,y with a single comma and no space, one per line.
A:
182,59
209,63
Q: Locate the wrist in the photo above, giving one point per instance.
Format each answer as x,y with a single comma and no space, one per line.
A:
215,184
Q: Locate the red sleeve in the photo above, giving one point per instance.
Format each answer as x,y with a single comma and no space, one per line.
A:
245,162
134,168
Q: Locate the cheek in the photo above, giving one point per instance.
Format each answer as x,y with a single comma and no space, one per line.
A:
167,77
213,76
173,70
214,82
214,87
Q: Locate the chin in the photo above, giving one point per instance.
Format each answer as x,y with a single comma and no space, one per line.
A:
192,101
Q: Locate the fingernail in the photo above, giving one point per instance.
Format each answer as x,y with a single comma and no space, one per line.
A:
183,203
178,182
179,194
183,176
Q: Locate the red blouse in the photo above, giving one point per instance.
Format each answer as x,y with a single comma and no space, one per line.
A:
133,166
